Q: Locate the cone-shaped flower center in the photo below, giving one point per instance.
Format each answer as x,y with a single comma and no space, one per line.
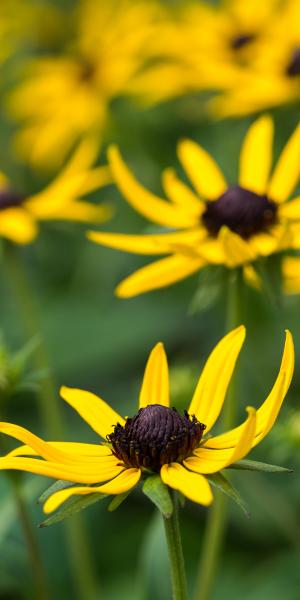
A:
9,199
244,212
155,436
293,68
242,40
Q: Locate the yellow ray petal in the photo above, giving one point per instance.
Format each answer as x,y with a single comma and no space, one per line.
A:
122,483
179,193
202,170
193,486
267,413
97,413
290,210
147,204
82,212
76,448
256,156
236,250
104,469
212,386
287,171
207,460
291,274
155,386
251,277
17,225
159,274
212,251
147,244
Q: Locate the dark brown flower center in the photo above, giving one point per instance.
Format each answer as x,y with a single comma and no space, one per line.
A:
293,68
9,199
242,40
155,436
243,211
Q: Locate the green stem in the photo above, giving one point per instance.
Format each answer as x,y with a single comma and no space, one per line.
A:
217,518
76,535
173,537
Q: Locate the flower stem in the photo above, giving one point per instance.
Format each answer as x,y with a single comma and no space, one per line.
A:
28,308
217,518
176,559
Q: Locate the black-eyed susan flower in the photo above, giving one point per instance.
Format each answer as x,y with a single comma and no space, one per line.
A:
158,438
217,222
62,97
60,200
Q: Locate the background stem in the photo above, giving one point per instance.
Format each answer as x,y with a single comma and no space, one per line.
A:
173,537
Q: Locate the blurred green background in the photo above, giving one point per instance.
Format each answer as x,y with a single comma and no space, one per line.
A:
100,343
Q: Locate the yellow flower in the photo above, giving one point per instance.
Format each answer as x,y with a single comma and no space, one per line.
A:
60,200
218,223
158,438
63,97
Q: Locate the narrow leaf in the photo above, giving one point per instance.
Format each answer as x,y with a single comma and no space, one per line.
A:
219,480
253,465
55,487
117,501
71,507
159,494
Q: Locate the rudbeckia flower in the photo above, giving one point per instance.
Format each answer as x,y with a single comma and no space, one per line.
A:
216,222
158,438
64,97
60,200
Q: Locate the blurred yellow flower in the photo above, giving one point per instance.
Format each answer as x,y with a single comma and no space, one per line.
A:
218,223
157,438
60,200
63,97
291,274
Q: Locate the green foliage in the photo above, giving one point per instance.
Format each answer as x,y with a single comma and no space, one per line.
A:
159,494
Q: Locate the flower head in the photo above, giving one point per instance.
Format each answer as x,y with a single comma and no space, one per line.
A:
158,438
60,200
216,223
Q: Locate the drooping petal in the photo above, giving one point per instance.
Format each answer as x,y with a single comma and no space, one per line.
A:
256,156
122,483
17,225
97,413
193,486
202,170
147,244
155,386
212,386
207,460
102,470
267,413
147,204
291,274
287,171
159,274
236,250
82,212
290,210
76,448
179,193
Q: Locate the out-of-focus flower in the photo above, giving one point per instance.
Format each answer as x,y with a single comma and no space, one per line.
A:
60,200
218,223
158,439
291,274
63,97
272,77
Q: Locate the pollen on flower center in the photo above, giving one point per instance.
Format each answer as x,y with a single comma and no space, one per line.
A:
293,68
155,436
243,211
9,199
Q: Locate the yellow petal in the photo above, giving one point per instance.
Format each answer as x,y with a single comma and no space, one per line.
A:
236,250
290,210
179,193
104,469
202,170
256,156
17,225
267,413
82,212
146,244
291,274
212,386
251,277
207,460
75,448
159,274
41,447
155,386
212,251
147,204
193,486
97,413
287,171
122,483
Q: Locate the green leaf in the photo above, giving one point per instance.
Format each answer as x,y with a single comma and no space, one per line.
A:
159,494
73,506
117,501
55,487
253,465
219,480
